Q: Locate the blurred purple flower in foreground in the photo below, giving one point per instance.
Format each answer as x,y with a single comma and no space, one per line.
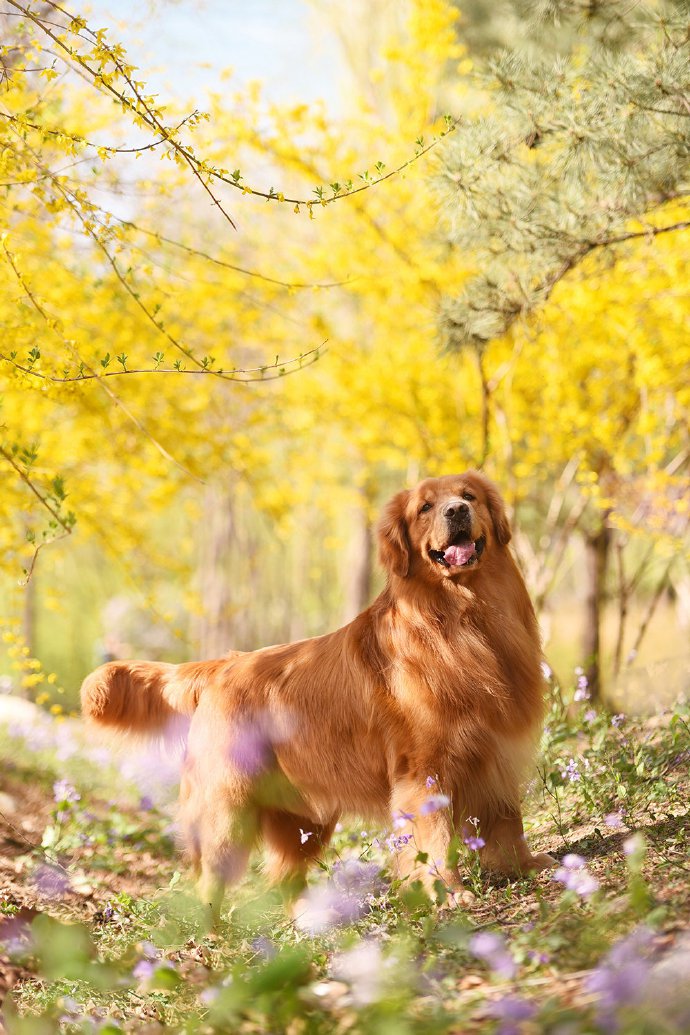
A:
492,949
252,739
401,819
576,877
15,934
362,968
620,979
511,1011
51,881
341,900
72,1010
433,803
63,791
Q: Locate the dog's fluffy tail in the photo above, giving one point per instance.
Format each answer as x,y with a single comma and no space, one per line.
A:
143,697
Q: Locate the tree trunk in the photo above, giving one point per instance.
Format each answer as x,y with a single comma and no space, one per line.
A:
597,548
215,626
357,588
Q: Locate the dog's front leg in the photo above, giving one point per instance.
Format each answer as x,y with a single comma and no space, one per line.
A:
423,834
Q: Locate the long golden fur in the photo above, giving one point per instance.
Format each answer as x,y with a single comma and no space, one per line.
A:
436,689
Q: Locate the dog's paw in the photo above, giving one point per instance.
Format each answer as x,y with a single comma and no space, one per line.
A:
543,861
460,898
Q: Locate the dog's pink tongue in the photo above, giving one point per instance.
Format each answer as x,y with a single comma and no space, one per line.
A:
457,555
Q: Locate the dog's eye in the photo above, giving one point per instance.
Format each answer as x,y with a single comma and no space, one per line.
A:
427,506
469,496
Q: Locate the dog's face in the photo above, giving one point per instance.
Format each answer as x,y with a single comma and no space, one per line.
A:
443,528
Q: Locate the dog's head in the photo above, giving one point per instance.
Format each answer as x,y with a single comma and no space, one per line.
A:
443,528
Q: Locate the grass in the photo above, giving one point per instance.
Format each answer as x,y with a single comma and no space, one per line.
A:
102,931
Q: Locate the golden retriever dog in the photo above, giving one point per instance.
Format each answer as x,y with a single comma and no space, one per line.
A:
426,706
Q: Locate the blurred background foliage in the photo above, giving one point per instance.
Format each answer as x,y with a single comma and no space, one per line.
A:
186,466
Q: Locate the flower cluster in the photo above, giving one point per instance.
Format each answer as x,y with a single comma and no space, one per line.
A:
65,796
51,881
151,966
473,841
344,898
573,873
571,771
582,687
619,980
492,949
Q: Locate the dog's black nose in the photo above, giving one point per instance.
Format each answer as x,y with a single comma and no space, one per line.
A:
455,508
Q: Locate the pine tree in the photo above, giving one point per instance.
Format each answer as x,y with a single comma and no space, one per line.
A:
582,152
575,148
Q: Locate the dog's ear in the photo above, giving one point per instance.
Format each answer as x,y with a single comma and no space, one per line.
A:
497,509
394,542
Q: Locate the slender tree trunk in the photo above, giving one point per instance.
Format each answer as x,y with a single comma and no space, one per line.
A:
597,547
217,535
359,567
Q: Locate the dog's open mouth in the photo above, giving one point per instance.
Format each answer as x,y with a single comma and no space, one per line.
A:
462,554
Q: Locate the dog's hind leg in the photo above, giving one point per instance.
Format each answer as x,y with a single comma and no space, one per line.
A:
224,858
291,843
220,828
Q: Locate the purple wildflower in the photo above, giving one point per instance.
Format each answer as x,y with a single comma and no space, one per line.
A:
430,782
511,1011
209,995
321,908
614,820
620,978
15,935
590,715
253,737
264,947
576,877
72,1010
571,771
146,803
145,969
475,842
65,793
618,720
396,842
341,900
362,967
582,689
492,949
51,881
634,849
401,819
433,803
250,749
